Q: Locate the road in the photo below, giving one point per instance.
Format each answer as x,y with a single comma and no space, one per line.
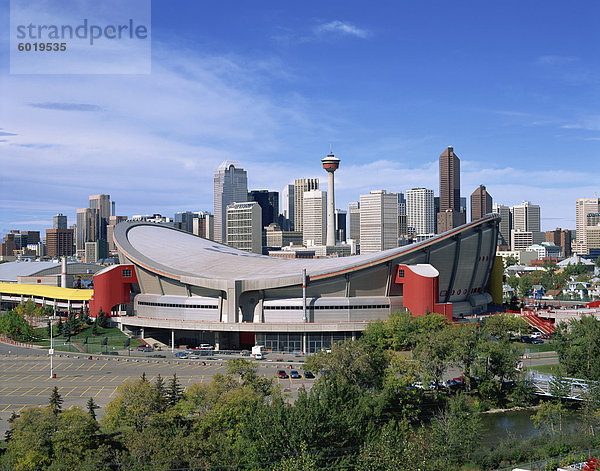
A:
25,376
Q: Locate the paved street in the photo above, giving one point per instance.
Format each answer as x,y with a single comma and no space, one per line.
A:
25,376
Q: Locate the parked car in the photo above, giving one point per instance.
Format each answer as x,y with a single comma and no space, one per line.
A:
309,375
205,346
282,374
536,335
181,355
146,348
537,340
295,375
526,339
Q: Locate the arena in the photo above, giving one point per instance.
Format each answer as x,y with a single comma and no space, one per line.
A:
183,289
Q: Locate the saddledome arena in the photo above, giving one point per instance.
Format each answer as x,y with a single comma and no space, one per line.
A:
182,289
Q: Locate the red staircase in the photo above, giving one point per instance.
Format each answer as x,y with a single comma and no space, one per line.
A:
543,325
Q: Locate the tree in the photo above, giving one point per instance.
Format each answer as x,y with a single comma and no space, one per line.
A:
433,354
354,361
55,401
59,326
91,407
464,348
455,432
578,346
161,393
174,391
302,461
510,260
133,407
95,328
549,417
101,318
598,262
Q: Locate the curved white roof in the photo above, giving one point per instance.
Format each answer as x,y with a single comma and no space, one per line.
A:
176,253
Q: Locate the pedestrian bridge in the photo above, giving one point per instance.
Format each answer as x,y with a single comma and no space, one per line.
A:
567,388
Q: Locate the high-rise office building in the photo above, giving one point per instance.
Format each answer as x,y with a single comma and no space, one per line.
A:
505,224
562,238
59,221
314,212
87,229
526,217
112,222
340,225
378,221
583,207
450,214
301,185
101,203
481,203
244,229
420,214
204,225
269,204
287,205
184,220
354,221
59,242
230,186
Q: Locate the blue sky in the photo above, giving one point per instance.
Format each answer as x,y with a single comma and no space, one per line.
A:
513,86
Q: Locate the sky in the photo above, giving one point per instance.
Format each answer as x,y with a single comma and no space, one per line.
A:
513,86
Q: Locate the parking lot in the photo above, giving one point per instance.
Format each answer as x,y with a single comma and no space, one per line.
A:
25,376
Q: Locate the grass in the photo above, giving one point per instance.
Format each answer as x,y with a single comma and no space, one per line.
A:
539,348
115,337
545,369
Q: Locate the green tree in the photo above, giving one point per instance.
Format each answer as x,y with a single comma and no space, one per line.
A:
549,417
302,461
464,348
510,260
354,361
133,407
174,391
578,346
433,354
59,326
455,433
55,401
91,407
101,318
95,328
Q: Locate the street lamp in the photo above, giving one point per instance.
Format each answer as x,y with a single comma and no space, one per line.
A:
51,350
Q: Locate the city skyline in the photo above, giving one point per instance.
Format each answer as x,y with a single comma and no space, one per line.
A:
274,90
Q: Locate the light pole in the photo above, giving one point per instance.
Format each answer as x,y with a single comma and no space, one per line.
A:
51,350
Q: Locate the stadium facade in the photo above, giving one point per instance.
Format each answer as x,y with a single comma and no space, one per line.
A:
181,288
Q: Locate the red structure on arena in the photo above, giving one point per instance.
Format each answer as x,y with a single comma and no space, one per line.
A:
420,290
112,286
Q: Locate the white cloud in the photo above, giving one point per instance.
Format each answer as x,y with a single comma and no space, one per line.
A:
555,60
341,27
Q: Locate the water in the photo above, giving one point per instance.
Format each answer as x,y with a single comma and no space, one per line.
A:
515,423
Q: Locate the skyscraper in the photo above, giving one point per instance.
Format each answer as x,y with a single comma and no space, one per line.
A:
450,215
287,205
526,217
583,207
481,203
244,231
340,225
184,220
268,202
300,186
59,221
87,229
315,217
101,203
59,242
378,221
230,186
420,212
354,221
505,224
